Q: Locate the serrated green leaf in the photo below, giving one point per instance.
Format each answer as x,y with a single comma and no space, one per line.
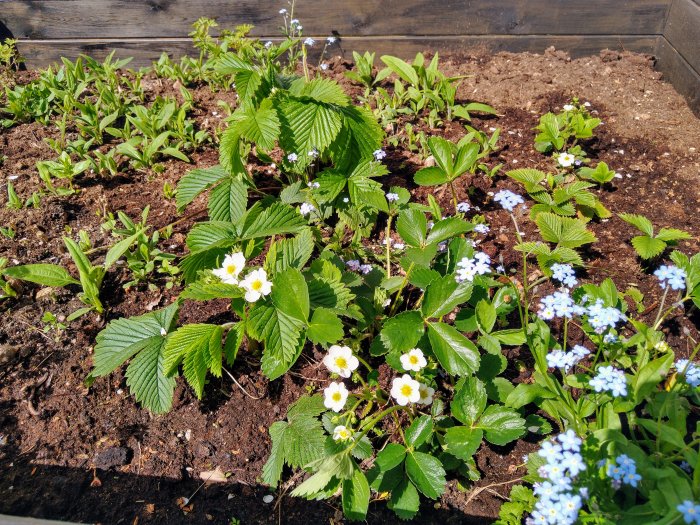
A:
672,235
501,424
325,327
367,192
640,222
290,294
443,295
198,348
201,291
356,496
448,228
427,473
259,125
147,380
290,253
405,500
412,227
272,470
469,400
322,90
124,338
486,316
463,442
308,125
195,182
419,431
565,231
402,332
278,219
228,201
648,247
280,333
456,354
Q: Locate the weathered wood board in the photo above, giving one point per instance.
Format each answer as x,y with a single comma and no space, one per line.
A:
683,30
43,53
79,19
676,70
143,29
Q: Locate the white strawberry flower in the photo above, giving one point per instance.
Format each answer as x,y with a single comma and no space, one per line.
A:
256,285
405,390
566,159
569,107
342,433
230,268
335,396
413,360
340,360
426,394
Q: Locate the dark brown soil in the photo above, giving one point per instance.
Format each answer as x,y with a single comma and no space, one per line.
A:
93,455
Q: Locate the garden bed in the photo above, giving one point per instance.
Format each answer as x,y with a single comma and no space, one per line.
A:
94,455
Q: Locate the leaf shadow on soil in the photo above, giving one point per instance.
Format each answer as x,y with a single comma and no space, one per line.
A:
86,495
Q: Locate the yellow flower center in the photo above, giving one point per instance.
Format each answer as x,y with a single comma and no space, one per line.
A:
256,285
406,390
341,362
336,396
231,269
344,434
413,359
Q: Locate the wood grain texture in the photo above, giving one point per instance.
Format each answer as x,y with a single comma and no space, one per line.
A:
679,73
43,53
683,30
80,19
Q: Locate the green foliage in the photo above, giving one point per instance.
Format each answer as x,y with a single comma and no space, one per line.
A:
557,131
650,245
301,280
142,340
558,194
601,174
296,442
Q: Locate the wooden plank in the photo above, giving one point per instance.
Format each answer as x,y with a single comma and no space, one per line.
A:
14,520
679,73
43,53
683,30
80,19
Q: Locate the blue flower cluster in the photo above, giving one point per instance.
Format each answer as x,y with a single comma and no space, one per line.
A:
690,512
468,268
690,371
559,304
610,379
603,317
559,502
567,360
463,207
672,276
564,273
623,470
508,200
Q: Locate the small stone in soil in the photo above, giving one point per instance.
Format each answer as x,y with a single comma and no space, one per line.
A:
7,354
112,457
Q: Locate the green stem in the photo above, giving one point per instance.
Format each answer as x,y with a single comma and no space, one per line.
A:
398,292
387,240
454,196
659,317
366,365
